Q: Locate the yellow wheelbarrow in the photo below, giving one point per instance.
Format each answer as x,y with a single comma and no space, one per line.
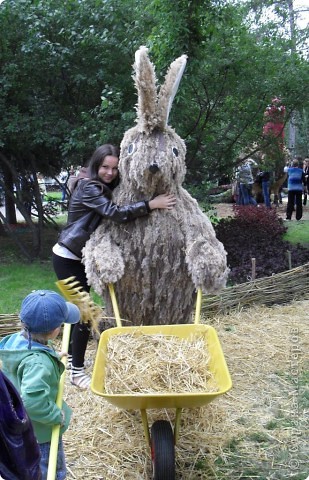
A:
162,438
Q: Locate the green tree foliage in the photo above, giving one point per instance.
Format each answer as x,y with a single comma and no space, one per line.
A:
64,84
66,66
66,87
234,70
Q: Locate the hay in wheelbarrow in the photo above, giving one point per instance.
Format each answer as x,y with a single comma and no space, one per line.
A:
157,363
247,433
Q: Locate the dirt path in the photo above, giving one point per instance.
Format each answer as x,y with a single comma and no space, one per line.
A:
226,210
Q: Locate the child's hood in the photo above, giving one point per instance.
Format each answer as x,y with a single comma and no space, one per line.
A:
14,348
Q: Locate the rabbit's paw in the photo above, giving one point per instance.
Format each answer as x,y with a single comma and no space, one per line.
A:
207,265
103,263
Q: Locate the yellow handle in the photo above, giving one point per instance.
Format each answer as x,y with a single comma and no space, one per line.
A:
116,309
198,306
52,461
115,304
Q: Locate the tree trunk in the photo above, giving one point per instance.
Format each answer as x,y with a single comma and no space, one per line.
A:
16,198
292,125
10,212
14,238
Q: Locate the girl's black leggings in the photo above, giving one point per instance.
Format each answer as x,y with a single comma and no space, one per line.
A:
64,268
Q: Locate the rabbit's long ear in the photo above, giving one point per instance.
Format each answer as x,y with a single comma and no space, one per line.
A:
145,82
169,89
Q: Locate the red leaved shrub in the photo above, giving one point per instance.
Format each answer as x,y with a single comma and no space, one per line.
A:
256,232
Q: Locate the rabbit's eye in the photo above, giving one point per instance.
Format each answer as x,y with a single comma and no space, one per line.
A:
131,148
175,151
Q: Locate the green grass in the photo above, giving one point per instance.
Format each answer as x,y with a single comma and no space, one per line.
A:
18,276
298,232
19,279
53,196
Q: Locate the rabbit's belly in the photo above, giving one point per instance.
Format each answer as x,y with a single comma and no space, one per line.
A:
152,298
155,246
156,287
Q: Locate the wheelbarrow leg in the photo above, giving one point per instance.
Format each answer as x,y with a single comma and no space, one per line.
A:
146,426
177,424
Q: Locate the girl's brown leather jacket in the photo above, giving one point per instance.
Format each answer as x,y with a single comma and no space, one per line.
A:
89,204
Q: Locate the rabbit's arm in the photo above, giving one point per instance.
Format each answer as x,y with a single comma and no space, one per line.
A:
103,260
205,254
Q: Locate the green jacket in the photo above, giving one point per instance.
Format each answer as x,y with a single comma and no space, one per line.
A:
35,373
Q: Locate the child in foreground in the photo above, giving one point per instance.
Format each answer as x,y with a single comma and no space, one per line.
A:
19,450
32,365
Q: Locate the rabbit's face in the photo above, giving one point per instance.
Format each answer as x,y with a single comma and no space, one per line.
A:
153,163
152,155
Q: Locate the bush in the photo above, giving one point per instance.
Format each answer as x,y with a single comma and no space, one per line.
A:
256,232
199,192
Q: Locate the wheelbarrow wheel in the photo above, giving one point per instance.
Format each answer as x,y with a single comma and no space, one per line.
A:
162,451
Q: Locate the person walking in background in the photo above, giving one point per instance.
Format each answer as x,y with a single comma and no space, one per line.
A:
296,182
42,186
245,178
83,172
63,178
71,180
306,173
264,178
32,365
90,203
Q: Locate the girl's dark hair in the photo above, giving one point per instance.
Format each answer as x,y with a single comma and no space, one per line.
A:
96,161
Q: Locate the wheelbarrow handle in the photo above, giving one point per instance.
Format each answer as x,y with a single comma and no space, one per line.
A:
198,306
117,314
115,304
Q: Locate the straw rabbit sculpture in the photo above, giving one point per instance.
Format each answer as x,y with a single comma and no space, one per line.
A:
156,262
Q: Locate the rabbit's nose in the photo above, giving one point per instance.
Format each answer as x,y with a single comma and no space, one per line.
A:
154,168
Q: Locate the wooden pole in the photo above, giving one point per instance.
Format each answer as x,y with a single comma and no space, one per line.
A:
53,453
253,268
289,259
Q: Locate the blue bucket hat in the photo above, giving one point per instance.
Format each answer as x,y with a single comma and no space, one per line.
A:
44,310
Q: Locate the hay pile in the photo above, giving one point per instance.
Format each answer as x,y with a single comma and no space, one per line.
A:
157,363
245,433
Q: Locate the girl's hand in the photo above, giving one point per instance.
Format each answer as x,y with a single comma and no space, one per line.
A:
166,201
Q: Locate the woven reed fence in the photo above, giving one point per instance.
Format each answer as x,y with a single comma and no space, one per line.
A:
280,288
9,323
